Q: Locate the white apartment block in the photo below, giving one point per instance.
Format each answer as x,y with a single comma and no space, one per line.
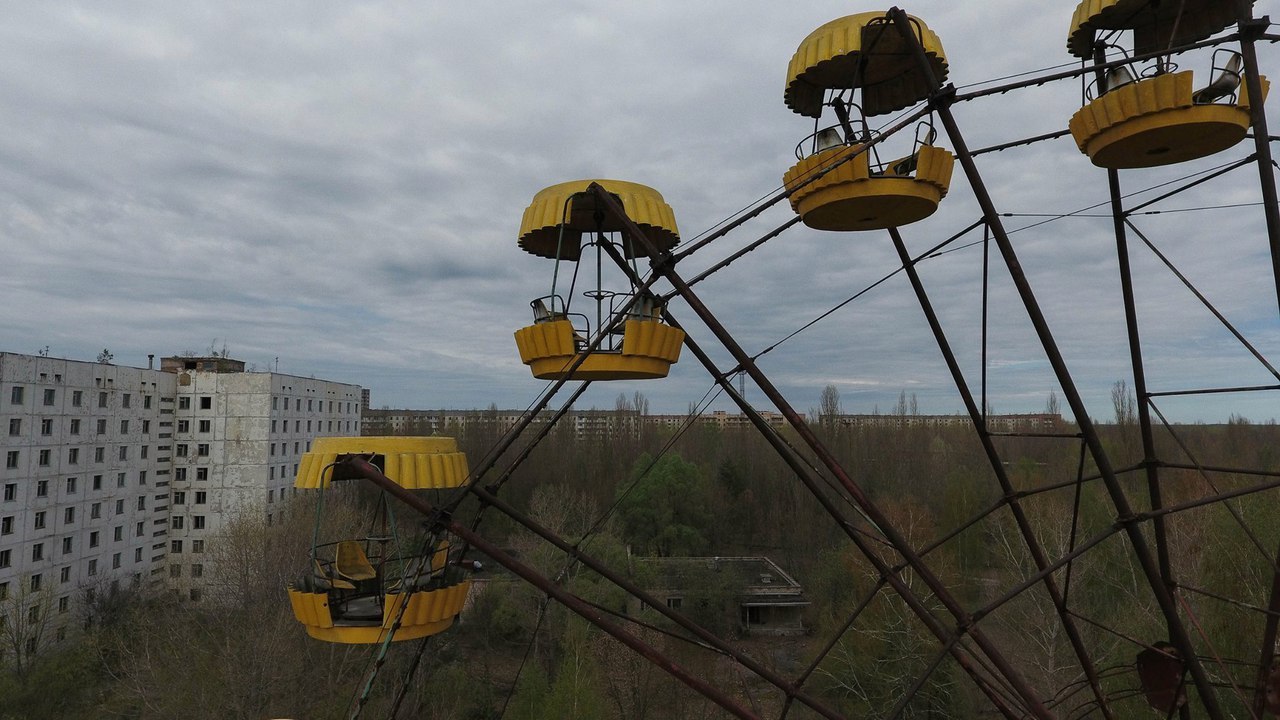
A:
116,477
237,441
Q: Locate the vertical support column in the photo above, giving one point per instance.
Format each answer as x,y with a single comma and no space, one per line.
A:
1250,29
663,265
997,467
941,102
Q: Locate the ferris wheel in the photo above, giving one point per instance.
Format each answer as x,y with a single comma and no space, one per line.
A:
1163,84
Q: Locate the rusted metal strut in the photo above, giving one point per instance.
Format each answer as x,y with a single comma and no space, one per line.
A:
663,265
368,471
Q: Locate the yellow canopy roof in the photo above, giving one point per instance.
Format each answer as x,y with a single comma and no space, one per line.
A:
862,51
559,215
417,463
1156,25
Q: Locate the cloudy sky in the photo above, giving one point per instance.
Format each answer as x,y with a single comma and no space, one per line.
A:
336,187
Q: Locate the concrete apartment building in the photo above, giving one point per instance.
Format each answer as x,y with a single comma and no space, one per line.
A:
117,477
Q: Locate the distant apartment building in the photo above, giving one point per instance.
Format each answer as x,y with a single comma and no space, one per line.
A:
118,477
621,423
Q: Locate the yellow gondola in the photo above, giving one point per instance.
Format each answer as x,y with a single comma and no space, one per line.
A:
561,221
867,54
354,589
1158,118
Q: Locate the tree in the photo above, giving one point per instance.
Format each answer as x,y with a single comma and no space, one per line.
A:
663,509
105,357
829,409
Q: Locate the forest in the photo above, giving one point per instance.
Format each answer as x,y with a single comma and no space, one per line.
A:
701,491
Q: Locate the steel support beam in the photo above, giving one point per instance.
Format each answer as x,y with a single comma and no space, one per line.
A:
663,265
575,604
940,101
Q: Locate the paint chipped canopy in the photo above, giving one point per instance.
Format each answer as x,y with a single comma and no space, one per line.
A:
1156,24
863,51
553,223
416,463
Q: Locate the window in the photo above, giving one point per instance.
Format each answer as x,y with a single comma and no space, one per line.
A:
202,473
295,448
271,496
11,459
197,522
273,426
146,402
308,426
146,427
102,426
15,395
77,398
124,452
71,486
142,502
202,449
6,558
115,561
297,426
184,426
35,582
10,492
197,570
64,604
66,545
42,488
117,533
120,479
180,450
142,453
179,497
197,546
139,529
308,404
120,506
15,426
93,567
102,399
38,520
200,497
95,511
33,614
180,474
175,571
4,592
49,395
69,516
93,539
46,426
75,426
206,402
137,555
142,475
97,482
273,472
178,521
73,456
44,457
124,426
64,575
99,454
184,403
124,401
175,546
206,426
37,552
6,525
297,404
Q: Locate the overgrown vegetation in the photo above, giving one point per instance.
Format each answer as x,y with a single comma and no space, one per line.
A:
711,492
